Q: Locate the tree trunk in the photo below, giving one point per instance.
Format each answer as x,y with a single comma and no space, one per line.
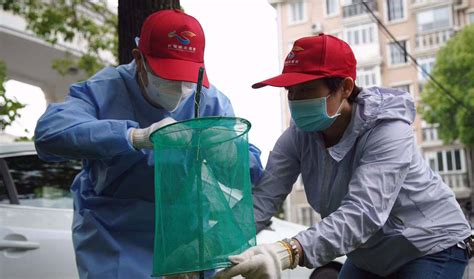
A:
131,15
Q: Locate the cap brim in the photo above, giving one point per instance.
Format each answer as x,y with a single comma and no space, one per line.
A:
286,79
174,69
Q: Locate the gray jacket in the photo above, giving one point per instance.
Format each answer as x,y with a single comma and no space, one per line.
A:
380,202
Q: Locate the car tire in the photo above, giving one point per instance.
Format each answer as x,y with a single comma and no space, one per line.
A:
327,272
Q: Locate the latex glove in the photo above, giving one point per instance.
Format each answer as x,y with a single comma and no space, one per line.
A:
140,138
262,261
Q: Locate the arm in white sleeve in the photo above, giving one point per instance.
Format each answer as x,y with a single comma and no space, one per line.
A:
72,130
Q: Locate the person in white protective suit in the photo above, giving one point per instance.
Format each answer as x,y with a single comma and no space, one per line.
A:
106,122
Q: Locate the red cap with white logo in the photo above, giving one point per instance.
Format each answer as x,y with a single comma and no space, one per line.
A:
173,44
314,58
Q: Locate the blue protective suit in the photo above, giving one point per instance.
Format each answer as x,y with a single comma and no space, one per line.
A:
113,226
380,202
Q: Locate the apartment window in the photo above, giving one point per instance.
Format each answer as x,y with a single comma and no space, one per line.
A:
426,65
434,19
398,54
367,77
453,160
297,12
470,17
447,161
457,159
395,10
332,7
429,134
360,35
439,157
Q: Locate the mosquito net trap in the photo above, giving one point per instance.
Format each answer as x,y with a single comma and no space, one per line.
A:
203,197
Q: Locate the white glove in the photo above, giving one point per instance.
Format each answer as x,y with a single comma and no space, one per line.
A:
260,262
140,138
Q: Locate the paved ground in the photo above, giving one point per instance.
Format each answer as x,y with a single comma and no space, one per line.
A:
470,270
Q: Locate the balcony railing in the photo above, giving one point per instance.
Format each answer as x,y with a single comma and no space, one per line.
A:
433,40
358,8
419,2
459,182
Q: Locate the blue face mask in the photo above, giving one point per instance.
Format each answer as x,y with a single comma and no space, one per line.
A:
311,115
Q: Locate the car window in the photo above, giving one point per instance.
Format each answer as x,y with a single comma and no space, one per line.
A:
3,192
43,184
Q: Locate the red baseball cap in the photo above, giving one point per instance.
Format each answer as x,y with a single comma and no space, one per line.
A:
314,58
173,44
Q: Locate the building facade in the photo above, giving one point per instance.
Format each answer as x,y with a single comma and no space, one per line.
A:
29,58
421,27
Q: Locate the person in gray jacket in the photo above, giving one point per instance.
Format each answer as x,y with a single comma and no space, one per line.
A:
381,204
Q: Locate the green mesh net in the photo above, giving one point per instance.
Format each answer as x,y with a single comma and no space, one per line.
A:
204,210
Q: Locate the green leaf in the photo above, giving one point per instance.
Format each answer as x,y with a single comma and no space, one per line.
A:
71,20
8,107
454,69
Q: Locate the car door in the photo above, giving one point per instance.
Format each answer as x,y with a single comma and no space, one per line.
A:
35,235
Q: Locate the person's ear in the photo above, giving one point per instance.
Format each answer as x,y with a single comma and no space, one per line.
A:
140,67
347,87
138,58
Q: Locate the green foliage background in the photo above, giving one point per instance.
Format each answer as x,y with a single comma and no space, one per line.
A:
454,69
8,107
88,22
72,20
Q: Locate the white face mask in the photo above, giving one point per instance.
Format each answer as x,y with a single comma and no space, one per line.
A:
166,93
